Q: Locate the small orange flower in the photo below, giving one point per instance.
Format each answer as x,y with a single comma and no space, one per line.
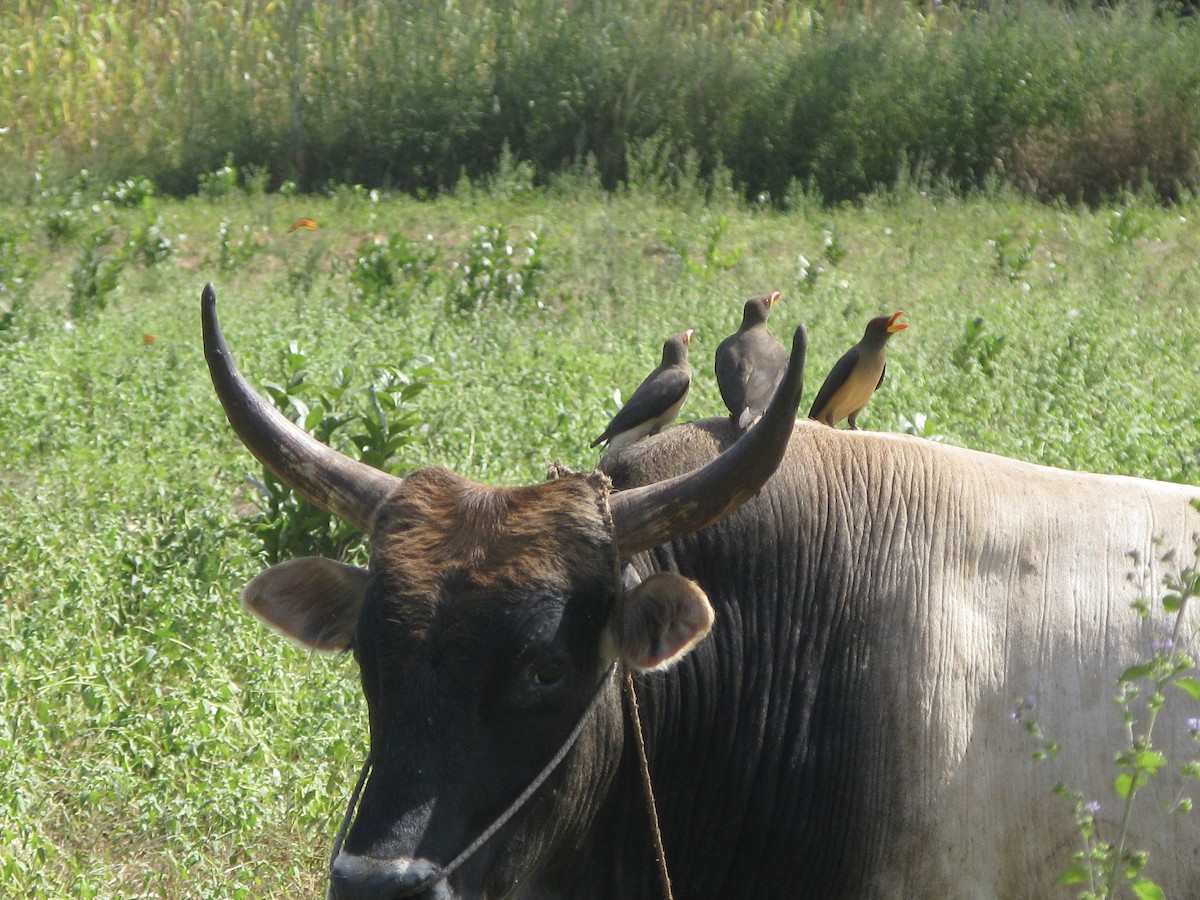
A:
303,222
147,339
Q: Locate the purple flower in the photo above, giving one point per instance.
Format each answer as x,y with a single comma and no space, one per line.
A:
1193,725
1161,642
1092,807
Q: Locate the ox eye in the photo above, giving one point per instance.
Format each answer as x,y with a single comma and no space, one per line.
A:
548,672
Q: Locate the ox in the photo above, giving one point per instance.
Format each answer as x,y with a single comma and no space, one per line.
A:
843,731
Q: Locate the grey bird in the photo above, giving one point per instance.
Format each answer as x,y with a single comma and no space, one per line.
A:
857,375
750,363
657,400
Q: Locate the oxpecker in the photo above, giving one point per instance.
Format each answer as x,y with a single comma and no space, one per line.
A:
750,363
657,400
857,375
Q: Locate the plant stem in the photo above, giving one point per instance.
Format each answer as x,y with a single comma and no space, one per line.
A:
1119,849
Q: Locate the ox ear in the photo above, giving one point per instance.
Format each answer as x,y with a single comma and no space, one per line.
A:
655,624
312,600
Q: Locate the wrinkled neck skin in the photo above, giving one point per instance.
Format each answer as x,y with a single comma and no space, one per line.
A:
737,778
727,730
844,731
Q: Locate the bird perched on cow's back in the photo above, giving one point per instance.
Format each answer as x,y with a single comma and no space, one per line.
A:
857,375
750,363
657,400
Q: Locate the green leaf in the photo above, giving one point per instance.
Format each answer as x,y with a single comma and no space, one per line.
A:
1190,684
1145,889
1133,673
1150,761
1172,602
1076,874
312,418
1123,784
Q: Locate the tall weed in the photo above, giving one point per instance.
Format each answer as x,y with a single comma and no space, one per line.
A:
368,415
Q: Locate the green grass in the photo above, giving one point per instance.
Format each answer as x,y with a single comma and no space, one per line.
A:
157,742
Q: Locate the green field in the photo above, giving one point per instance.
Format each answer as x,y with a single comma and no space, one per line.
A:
155,740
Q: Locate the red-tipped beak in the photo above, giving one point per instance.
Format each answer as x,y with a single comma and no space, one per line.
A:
687,336
775,295
893,326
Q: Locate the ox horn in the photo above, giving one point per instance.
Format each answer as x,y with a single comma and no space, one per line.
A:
344,487
645,517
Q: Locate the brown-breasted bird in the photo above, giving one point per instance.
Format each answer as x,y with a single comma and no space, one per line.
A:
657,400
857,375
750,363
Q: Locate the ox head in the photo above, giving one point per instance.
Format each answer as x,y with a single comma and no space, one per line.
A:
487,624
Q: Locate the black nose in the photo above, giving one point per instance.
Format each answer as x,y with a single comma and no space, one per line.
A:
365,878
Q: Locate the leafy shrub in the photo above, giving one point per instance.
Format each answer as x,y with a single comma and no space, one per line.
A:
96,275
234,246
149,242
14,283
366,414
1014,252
63,223
493,271
712,259
512,178
219,183
1126,226
1117,146
131,192
977,349
390,273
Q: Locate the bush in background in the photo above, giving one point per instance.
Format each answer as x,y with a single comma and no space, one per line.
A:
1064,101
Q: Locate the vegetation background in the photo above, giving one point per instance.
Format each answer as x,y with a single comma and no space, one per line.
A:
515,205
1060,99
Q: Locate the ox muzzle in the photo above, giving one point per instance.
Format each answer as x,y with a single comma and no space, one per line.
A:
356,877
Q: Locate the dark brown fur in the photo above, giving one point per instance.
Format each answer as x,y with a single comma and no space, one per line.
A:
440,528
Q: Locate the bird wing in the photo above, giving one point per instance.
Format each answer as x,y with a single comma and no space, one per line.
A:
733,370
661,390
770,364
835,379
882,372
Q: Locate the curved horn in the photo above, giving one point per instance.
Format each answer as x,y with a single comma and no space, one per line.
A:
645,517
345,487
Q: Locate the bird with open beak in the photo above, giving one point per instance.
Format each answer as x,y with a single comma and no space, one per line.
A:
857,375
